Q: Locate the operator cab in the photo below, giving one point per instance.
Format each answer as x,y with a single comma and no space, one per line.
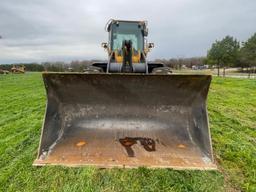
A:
129,35
127,48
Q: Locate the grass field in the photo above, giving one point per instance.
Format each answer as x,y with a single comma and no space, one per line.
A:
229,72
232,112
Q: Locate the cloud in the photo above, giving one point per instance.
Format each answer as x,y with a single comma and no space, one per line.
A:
53,30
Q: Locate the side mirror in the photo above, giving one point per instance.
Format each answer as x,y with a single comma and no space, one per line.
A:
151,45
104,45
145,32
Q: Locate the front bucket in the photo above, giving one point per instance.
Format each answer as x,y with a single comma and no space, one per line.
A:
126,120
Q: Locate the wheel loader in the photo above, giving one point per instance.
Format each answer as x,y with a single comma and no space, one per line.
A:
18,69
126,112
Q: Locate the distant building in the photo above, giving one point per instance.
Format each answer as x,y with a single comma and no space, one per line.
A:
184,67
200,67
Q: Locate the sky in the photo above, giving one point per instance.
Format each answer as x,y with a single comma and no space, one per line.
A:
66,30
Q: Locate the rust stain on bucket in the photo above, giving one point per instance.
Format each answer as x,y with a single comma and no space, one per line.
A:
80,143
182,146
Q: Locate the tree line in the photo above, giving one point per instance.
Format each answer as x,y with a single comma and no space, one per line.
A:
28,66
229,52
58,66
178,63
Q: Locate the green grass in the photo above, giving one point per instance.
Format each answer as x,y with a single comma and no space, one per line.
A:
232,112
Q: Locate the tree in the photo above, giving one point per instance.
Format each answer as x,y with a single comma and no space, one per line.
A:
214,55
230,52
248,53
224,52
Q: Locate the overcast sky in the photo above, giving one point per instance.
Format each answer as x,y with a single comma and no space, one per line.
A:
65,30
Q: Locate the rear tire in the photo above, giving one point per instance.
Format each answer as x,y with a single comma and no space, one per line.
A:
93,69
162,70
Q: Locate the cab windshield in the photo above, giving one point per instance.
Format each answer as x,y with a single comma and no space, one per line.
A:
127,31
